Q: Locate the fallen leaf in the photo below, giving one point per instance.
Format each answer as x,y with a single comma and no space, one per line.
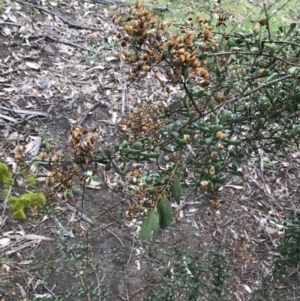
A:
33,65
4,241
138,265
23,293
235,186
36,237
12,18
247,288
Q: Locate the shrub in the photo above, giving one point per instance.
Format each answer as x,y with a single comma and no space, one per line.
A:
238,93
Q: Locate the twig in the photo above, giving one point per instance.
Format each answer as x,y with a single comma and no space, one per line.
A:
68,43
74,210
87,112
86,289
48,289
115,237
98,282
71,24
2,221
126,280
251,53
124,92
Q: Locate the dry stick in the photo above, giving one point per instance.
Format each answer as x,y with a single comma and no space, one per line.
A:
87,112
68,43
115,237
250,53
98,282
71,24
4,206
124,92
74,210
48,289
83,283
126,280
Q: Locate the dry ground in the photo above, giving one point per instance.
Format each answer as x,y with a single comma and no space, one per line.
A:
59,64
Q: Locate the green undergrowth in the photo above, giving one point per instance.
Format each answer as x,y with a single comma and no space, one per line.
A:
240,13
17,205
5,175
1,6
28,200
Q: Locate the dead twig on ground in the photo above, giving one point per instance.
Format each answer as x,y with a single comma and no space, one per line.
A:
68,43
71,24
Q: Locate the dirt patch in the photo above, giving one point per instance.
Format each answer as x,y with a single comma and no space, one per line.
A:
71,74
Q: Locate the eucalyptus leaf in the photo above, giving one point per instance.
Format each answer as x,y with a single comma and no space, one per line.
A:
150,225
176,189
165,212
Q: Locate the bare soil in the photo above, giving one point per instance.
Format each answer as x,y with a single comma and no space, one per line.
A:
42,72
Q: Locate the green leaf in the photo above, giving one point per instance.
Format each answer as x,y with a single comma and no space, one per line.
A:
204,129
185,101
124,144
107,167
272,76
198,92
231,42
202,56
130,151
137,145
254,49
215,128
225,115
107,153
191,117
118,169
271,46
232,142
209,140
176,189
291,29
146,230
151,155
150,225
294,71
296,97
180,142
269,95
188,131
165,212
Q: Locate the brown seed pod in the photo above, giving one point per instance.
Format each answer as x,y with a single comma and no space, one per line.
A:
18,157
220,135
138,4
145,68
181,59
187,55
262,22
126,53
205,83
204,184
43,155
212,170
180,51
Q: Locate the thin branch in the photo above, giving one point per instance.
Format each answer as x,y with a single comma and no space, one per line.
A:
250,53
68,43
115,237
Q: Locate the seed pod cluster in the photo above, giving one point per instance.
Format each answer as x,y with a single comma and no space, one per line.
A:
147,43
